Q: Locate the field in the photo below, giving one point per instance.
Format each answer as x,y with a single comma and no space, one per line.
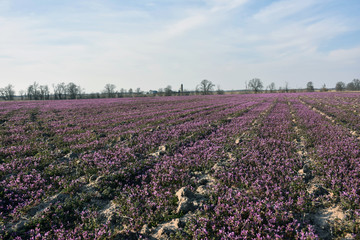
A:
256,166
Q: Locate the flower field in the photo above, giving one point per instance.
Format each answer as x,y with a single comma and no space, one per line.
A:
256,166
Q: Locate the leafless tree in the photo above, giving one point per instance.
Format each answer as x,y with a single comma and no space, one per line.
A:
33,92
272,87
354,85
7,93
340,86
122,92
206,87
286,87
109,90
130,92
30,92
44,92
255,84
60,91
73,90
310,87
168,91
138,92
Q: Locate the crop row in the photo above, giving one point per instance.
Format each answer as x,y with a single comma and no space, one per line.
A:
27,180
220,167
259,193
336,163
343,110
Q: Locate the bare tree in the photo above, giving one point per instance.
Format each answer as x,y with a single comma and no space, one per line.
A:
122,92
44,92
33,92
73,90
37,95
206,87
354,85
130,92
2,93
256,84
286,87
357,84
310,87
7,93
109,90
168,90
30,92
340,86
324,89
47,92
350,86
41,92
60,91
138,92
272,87
56,91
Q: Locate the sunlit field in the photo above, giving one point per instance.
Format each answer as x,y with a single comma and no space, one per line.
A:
255,166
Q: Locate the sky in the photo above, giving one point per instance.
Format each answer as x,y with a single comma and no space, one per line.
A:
154,43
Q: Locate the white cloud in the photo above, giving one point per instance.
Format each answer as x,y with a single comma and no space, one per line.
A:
298,37
226,5
201,17
281,9
186,24
348,56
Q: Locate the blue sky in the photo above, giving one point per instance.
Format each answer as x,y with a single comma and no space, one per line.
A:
154,43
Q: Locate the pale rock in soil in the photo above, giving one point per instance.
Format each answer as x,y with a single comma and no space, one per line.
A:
324,218
349,237
145,230
165,230
185,204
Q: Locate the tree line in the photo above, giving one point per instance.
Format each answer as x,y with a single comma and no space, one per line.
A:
354,85
42,92
60,91
351,86
256,85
